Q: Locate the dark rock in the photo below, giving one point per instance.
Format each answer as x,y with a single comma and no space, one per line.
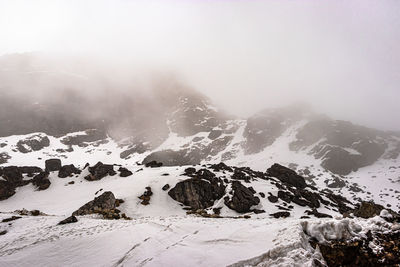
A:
52,165
71,219
99,171
67,171
317,214
33,143
104,202
153,164
90,136
336,183
256,211
281,214
243,198
4,157
3,232
30,169
146,196
13,175
367,210
176,158
189,171
35,212
124,172
287,176
272,198
198,193
41,181
165,187
285,196
6,190
221,167
214,134
262,194
12,218
72,182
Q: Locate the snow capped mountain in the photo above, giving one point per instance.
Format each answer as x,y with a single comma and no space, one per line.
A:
168,163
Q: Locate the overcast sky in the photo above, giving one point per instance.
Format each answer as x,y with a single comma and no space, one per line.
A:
341,56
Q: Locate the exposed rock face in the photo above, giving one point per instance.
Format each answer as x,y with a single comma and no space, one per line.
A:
71,219
41,181
370,209
105,201
173,158
52,165
6,190
197,193
342,146
81,140
359,253
67,171
243,198
287,176
99,171
33,143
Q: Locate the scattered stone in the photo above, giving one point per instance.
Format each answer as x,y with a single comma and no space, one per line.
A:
153,164
3,232
165,187
272,198
280,214
33,143
146,196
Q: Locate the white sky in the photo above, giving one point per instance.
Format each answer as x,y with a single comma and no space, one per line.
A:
342,56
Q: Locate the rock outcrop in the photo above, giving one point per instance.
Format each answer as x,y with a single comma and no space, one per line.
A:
104,202
242,198
287,176
99,171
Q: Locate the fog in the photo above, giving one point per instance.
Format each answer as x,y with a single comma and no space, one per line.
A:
342,57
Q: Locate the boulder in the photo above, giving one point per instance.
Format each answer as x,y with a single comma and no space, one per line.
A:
104,202
198,193
281,214
71,219
13,175
153,164
243,198
287,176
6,190
99,171
146,196
52,165
67,171
30,169
124,172
41,181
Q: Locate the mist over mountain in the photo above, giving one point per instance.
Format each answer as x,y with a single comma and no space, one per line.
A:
199,133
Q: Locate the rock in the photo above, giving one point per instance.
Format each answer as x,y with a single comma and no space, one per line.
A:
317,214
90,136
99,171
221,167
124,172
153,164
4,157
190,171
12,218
67,171
281,214
243,198
30,169
3,232
33,143
214,134
71,219
105,201
52,165
165,187
287,176
174,158
35,212
146,196
368,210
272,198
198,193
6,190
13,175
41,181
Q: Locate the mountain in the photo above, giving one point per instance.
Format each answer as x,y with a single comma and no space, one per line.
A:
168,158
